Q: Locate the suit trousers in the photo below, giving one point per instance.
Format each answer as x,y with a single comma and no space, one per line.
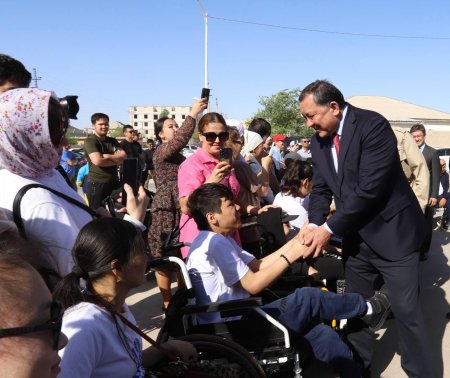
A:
429,213
363,271
300,313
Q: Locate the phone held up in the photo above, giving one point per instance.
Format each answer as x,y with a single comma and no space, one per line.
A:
205,94
226,154
130,176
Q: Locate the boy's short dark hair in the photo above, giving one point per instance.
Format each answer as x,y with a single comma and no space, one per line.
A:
96,116
207,199
126,127
260,126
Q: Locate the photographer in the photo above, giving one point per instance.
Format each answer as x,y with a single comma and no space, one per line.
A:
32,128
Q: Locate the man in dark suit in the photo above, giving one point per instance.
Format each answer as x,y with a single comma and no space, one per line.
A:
355,159
432,158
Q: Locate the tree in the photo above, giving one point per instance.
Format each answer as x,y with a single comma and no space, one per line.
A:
281,110
72,140
116,133
164,113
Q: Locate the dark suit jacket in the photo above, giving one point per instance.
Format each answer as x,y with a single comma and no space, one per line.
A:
373,199
445,182
432,158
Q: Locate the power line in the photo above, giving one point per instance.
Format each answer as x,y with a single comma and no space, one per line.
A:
329,31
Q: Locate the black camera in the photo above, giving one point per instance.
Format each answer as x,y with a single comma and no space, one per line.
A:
70,104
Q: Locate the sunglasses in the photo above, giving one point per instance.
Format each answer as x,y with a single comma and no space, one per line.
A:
211,137
54,325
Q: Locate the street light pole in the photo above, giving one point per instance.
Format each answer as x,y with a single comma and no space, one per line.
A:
205,16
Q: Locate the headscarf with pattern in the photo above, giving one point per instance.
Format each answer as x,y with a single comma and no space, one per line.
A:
25,145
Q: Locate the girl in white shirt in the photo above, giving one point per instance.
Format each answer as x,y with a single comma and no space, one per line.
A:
295,190
110,260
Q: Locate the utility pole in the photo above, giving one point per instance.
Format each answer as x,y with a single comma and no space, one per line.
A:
35,78
205,16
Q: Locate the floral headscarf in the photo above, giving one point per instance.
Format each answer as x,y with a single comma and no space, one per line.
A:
25,145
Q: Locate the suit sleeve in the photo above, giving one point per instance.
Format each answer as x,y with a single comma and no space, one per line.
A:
320,198
435,175
378,171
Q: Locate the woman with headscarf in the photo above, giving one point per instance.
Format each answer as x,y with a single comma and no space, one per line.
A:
252,187
253,147
32,127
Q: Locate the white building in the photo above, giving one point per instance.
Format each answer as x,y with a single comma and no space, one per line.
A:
143,118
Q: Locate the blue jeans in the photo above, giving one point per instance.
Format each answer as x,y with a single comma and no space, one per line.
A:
300,311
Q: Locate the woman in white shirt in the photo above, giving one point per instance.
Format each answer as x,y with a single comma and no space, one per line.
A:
110,260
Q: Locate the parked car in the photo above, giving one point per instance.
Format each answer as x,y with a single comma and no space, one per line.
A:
189,150
79,152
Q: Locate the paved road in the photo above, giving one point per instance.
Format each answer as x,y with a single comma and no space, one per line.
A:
145,303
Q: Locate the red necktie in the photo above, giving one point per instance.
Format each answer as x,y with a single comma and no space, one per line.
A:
337,143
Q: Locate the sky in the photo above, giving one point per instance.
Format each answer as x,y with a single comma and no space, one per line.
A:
116,54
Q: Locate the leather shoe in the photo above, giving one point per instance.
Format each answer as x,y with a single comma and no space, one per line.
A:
381,308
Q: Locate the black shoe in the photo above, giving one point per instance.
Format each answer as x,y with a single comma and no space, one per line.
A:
381,308
444,225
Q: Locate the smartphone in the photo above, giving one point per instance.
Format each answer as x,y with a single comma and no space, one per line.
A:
226,154
130,176
205,94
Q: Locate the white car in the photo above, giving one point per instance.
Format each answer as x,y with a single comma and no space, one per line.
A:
188,150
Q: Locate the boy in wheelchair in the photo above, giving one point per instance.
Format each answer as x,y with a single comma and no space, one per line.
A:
220,270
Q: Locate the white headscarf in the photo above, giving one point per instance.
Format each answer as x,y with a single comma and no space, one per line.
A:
25,145
252,140
237,124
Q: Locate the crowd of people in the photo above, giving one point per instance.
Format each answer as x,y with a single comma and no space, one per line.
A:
354,185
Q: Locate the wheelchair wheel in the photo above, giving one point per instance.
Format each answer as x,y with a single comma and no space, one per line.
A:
232,359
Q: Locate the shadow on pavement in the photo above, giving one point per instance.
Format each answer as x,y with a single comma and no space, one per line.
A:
145,304
434,273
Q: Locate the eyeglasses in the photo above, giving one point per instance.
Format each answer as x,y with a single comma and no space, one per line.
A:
211,137
237,142
305,141
54,325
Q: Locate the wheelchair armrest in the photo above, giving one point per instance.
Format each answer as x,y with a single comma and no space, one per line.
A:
237,304
157,263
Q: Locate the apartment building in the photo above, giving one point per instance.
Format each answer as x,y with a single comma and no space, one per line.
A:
143,118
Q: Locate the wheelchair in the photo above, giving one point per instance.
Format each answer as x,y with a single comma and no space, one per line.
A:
254,345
